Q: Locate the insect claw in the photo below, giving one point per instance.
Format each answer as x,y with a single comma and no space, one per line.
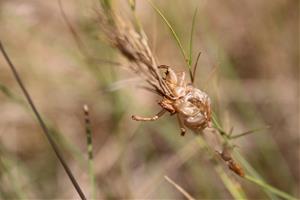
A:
183,131
134,117
158,115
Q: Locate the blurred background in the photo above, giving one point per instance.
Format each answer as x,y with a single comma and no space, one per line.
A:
249,66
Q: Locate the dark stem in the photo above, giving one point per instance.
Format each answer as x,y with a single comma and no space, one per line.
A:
195,68
42,123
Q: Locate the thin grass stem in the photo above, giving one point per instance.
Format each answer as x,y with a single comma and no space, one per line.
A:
248,132
233,187
174,34
42,123
270,188
89,140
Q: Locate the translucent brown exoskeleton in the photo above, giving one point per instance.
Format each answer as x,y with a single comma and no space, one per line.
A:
191,105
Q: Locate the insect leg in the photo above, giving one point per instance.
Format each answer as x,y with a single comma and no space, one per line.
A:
182,129
163,67
157,116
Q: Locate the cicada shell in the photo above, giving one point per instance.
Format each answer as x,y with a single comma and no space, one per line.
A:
191,105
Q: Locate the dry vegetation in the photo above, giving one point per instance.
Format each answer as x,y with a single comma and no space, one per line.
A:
249,66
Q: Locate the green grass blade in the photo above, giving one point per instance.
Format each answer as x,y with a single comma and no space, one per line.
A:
252,172
191,38
240,158
172,31
216,124
270,188
233,187
106,4
6,164
248,132
41,122
132,4
57,135
7,92
137,21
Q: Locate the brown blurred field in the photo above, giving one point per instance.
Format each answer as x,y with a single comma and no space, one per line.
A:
249,66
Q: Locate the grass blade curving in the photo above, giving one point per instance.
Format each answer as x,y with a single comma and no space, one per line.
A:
174,34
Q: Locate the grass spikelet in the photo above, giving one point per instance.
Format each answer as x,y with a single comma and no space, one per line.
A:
89,140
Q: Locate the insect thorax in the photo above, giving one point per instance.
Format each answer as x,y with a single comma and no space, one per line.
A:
194,109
